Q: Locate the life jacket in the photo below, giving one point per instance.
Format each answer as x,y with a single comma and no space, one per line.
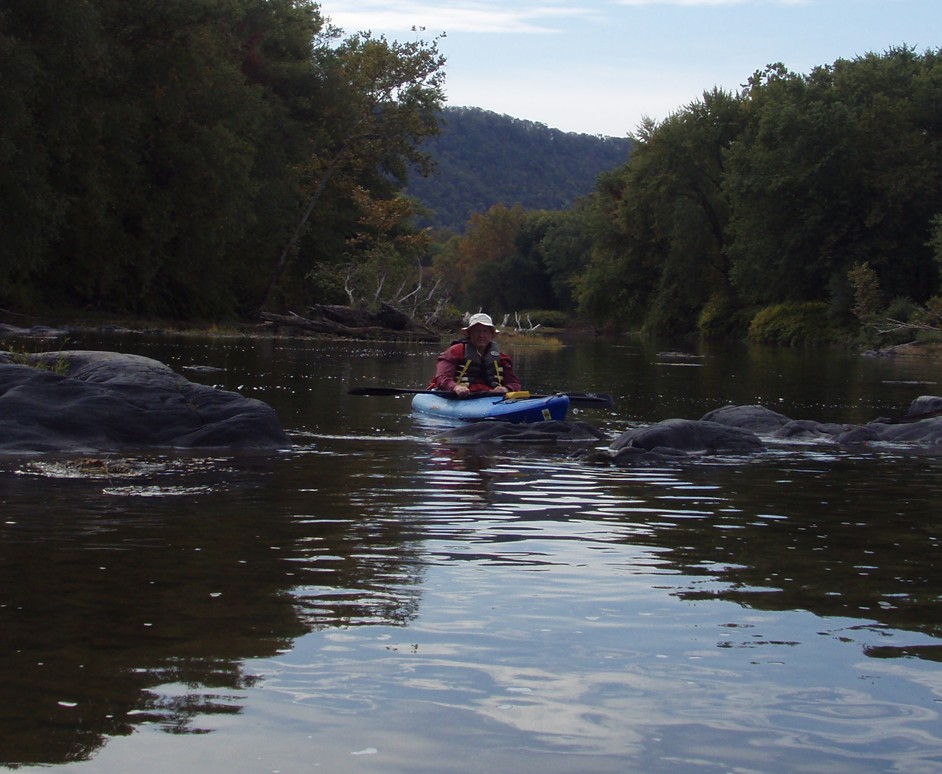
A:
480,370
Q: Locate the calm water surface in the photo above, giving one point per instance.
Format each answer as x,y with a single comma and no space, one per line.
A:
375,600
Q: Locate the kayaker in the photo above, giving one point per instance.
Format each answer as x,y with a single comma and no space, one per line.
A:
475,363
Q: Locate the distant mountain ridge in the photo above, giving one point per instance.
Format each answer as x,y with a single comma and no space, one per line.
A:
484,159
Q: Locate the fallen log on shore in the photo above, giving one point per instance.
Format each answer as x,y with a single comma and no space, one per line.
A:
357,325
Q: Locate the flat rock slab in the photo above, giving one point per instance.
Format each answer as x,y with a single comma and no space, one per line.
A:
95,401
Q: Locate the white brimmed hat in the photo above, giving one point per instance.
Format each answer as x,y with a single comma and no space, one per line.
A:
480,319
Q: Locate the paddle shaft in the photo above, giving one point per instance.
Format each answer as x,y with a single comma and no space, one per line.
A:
600,399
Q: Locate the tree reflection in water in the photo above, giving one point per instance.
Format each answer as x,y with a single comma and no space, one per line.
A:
843,535
115,585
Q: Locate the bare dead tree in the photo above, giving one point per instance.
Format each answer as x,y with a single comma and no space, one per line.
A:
890,326
347,285
530,325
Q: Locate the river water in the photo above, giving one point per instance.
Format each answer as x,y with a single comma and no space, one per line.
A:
376,600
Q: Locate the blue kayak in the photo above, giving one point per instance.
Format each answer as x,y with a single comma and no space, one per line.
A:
493,407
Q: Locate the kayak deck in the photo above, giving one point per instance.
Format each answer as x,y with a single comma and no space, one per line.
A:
493,407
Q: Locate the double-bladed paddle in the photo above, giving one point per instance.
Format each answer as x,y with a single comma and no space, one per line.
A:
584,399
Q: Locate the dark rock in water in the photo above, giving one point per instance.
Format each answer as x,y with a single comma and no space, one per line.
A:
923,405
736,429
758,419
924,431
679,439
632,456
525,432
918,425
35,331
809,430
689,435
82,401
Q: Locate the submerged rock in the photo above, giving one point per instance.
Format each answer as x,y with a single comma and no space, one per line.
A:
809,430
526,432
89,401
35,332
758,419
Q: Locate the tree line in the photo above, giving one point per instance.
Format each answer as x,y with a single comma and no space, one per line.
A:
211,158
202,158
793,209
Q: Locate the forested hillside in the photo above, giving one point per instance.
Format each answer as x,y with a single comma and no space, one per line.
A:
483,158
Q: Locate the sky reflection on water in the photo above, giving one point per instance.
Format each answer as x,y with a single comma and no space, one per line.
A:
378,601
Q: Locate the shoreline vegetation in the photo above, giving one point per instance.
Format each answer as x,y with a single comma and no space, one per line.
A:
357,327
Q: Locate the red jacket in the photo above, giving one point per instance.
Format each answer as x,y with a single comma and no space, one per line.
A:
462,362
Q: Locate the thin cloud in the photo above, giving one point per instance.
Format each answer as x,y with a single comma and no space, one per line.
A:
709,3
598,99
476,17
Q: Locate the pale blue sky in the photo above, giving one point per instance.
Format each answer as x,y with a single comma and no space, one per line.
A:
600,66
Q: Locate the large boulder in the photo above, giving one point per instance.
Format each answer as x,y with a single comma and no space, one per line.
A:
92,401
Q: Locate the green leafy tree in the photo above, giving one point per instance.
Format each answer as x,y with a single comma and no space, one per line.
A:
868,296
772,196
935,242
838,167
662,250
788,190
386,97
566,247
624,268
48,52
158,156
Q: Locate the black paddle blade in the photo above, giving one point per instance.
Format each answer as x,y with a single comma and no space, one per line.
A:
381,391
591,399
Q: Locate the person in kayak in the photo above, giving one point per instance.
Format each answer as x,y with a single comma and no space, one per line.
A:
475,363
